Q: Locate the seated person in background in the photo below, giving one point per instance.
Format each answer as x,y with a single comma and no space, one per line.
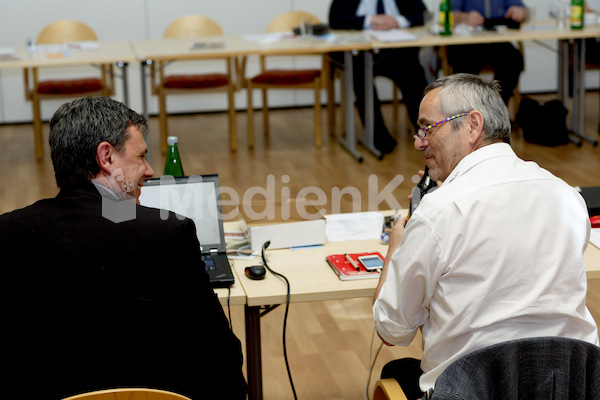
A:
505,59
400,65
476,263
90,304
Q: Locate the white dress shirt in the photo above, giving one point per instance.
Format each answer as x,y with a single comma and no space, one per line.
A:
368,8
495,254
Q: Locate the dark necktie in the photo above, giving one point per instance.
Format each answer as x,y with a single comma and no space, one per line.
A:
380,7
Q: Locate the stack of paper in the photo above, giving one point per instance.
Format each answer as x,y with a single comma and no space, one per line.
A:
8,53
392,35
353,226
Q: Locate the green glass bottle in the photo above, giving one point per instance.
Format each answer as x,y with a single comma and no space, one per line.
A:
577,9
446,17
173,165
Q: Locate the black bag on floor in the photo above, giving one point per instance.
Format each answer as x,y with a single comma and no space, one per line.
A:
543,124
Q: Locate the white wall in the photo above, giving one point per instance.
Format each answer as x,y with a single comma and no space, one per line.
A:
21,20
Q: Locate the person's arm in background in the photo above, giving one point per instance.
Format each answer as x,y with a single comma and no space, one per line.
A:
464,14
342,15
413,11
517,13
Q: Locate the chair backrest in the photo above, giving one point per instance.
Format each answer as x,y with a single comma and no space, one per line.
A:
388,389
128,394
66,30
192,26
289,20
532,368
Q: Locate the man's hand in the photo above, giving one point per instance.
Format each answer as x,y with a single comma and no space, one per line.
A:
396,236
383,22
473,18
516,13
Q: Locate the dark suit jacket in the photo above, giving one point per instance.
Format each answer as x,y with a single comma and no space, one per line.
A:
90,304
342,14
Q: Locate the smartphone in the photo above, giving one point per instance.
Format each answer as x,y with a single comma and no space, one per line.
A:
371,262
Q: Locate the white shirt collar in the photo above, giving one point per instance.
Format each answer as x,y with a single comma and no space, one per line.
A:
486,152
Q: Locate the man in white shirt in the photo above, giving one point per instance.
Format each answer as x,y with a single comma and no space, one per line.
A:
495,254
402,66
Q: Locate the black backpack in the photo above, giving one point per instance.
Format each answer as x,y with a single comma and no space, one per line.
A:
544,124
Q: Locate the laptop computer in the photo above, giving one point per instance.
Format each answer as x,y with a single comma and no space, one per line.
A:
197,198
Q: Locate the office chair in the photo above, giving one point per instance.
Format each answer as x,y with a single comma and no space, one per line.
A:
532,368
128,394
61,32
163,84
284,78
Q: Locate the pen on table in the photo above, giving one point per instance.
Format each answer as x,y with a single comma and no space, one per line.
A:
351,261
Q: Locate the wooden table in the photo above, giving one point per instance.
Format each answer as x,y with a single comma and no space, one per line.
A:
113,52
311,279
232,46
234,295
571,44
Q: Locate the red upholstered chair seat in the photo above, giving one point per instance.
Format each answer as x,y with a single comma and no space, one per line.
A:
70,86
203,81
287,77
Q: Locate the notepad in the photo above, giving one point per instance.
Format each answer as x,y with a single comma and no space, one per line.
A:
595,237
347,271
353,226
392,35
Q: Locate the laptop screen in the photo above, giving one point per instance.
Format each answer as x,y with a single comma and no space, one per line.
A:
195,197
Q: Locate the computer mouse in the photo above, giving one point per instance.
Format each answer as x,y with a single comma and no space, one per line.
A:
255,272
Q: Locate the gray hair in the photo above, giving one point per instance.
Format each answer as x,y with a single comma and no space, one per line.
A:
465,92
76,130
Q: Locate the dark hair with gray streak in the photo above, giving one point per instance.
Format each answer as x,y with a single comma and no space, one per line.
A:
76,130
465,92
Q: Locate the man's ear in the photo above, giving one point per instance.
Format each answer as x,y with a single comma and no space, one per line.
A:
475,119
104,157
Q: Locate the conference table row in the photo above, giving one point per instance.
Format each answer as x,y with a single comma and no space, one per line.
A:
146,52
310,279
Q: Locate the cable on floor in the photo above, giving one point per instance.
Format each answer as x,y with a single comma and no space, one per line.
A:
287,304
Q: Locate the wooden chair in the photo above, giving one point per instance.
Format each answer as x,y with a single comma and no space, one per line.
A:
388,389
61,32
128,394
284,78
163,84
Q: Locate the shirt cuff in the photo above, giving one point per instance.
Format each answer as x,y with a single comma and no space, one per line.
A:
403,22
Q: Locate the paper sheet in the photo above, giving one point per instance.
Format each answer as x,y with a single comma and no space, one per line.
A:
595,237
392,35
353,226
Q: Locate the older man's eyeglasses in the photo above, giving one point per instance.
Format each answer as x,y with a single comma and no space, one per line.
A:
421,133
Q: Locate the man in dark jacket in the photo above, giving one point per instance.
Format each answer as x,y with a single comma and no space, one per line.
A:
89,303
400,65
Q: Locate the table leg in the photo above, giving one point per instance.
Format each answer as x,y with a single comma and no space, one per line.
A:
349,142
145,112
578,105
123,66
563,68
369,137
253,353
